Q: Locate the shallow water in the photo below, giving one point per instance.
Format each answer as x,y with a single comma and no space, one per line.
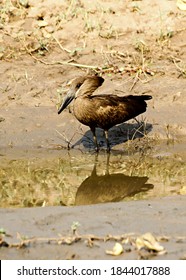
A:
60,177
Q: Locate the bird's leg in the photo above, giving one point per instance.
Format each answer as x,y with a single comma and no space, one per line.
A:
95,138
107,141
107,165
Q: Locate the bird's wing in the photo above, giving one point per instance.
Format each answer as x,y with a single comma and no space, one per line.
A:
114,100
105,100
118,108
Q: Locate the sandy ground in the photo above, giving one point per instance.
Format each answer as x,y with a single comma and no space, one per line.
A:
137,48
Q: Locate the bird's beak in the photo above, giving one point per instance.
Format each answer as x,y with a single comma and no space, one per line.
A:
68,98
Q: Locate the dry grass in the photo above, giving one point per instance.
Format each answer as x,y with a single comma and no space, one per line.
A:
40,41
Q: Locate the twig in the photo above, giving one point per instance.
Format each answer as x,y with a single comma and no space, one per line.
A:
66,139
61,62
68,239
137,130
182,70
61,47
136,78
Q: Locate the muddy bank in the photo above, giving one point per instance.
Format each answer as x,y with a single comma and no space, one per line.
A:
164,218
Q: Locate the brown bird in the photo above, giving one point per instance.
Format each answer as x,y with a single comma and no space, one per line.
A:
103,110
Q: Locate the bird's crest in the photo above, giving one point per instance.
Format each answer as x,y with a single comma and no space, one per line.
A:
88,86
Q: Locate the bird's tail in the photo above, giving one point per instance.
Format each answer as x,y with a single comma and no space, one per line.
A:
139,97
146,97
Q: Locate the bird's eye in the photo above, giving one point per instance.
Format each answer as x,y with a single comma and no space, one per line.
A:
78,85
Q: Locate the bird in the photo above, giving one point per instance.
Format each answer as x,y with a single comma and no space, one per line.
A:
101,110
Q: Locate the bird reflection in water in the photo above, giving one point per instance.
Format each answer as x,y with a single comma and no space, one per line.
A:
109,187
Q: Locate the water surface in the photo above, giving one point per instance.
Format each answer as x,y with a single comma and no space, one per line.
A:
60,177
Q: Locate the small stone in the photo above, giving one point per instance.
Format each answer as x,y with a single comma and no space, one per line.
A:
2,119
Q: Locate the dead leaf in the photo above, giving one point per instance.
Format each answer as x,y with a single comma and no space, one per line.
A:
163,238
148,241
42,23
126,240
181,4
116,250
3,243
183,257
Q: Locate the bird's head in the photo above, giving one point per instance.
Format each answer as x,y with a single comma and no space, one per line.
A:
85,85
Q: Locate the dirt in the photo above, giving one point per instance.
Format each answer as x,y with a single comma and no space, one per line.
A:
137,48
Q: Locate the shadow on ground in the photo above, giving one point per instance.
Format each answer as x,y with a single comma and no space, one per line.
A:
117,135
